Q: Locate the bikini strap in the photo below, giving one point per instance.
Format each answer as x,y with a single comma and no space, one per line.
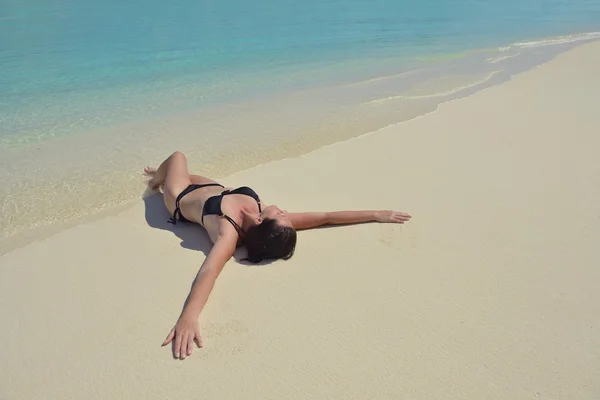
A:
238,228
173,219
190,188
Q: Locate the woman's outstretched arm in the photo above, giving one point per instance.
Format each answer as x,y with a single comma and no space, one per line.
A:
309,220
187,332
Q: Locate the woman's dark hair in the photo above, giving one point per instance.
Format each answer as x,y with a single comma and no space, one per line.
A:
269,240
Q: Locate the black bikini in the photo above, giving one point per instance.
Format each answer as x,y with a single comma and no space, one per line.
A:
212,205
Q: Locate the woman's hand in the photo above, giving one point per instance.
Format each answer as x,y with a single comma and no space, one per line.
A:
186,332
396,217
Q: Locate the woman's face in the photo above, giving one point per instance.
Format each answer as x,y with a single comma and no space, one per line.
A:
274,212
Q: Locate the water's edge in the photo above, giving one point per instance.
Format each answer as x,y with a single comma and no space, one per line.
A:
367,121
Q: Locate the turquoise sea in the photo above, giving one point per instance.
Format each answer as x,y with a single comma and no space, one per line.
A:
92,91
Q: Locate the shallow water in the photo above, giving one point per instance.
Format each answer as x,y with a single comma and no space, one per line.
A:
92,91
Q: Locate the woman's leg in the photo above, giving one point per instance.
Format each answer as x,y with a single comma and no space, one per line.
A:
173,175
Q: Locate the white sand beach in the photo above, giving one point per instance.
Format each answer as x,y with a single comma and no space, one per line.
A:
489,292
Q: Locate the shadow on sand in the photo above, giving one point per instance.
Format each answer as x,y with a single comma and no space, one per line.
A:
192,236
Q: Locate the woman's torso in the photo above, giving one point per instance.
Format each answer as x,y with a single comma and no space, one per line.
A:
192,205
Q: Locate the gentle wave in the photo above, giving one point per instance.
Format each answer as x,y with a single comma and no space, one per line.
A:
382,78
494,60
553,41
434,95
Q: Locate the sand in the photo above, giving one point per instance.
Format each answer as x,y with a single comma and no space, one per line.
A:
490,292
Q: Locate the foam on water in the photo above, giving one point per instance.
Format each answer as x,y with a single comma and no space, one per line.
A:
440,87
559,40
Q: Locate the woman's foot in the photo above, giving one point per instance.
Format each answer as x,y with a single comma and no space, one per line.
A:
153,183
150,171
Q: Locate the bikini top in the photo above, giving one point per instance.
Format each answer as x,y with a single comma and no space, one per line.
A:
212,205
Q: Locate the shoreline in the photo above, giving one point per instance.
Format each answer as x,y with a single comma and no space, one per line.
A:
489,292
287,148
392,63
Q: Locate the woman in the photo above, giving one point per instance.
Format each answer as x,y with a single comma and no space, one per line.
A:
233,217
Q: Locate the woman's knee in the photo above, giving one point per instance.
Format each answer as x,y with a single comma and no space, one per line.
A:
177,155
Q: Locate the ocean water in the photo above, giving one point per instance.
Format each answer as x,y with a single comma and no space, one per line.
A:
92,91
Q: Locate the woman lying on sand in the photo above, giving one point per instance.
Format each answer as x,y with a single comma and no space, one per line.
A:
233,217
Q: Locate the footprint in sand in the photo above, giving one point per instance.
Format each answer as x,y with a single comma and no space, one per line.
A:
413,238
395,236
225,329
389,235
